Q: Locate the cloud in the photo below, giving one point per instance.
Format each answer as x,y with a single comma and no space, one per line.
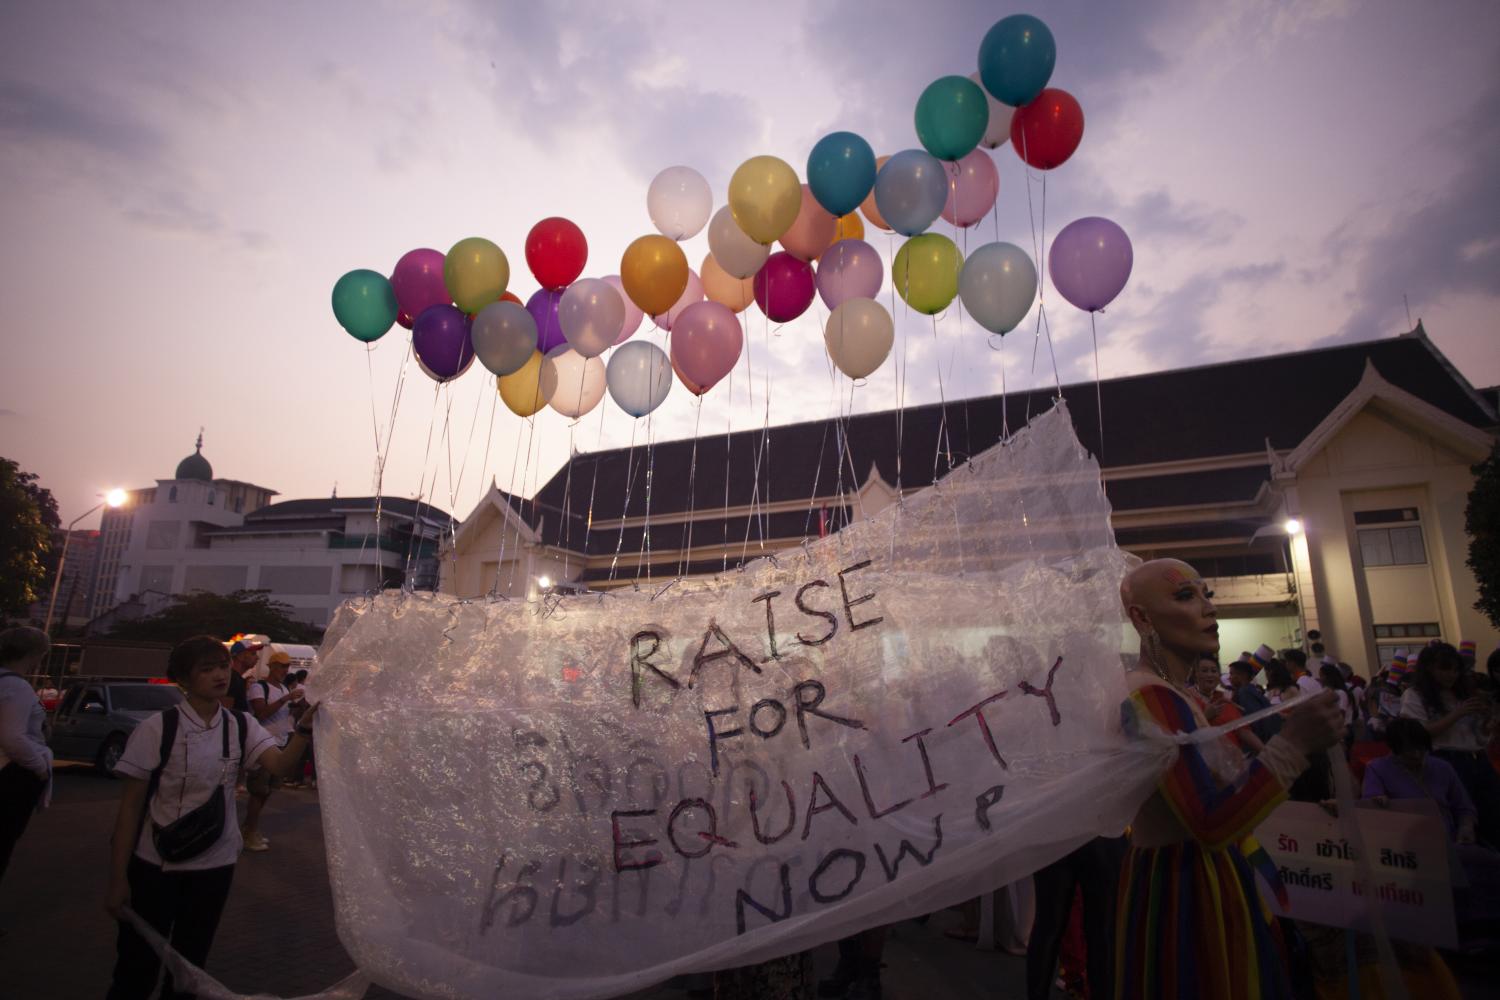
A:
8,413
30,114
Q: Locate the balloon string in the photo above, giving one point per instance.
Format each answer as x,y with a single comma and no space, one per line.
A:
455,487
685,560
752,514
629,483
900,381
1098,389
525,477
588,521
566,534
645,554
380,460
510,491
421,488
1004,408
728,444
833,402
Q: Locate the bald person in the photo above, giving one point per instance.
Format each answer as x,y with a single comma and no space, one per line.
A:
1191,922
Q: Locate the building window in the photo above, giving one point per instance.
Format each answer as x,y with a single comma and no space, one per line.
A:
172,495
212,496
239,505
1391,537
1410,630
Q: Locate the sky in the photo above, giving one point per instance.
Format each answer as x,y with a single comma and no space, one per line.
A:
183,184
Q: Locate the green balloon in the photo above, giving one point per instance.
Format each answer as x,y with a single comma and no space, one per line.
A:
952,114
364,304
926,271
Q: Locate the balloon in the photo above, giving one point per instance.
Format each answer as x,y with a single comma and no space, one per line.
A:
654,272
813,231
784,287
692,293
678,202
512,297
868,207
475,273
722,287
521,390
639,376
364,304
910,191
850,269
765,197
707,343
841,172
689,384
1047,131
850,227
1016,59
997,132
1090,262
998,286
543,308
737,254
858,336
403,317
572,383
633,314
591,313
556,252
440,339
504,336
973,185
951,117
925,272
418,282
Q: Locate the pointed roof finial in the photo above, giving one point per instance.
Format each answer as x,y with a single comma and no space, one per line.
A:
200,439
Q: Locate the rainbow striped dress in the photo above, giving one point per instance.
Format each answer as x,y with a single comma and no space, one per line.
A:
1191,923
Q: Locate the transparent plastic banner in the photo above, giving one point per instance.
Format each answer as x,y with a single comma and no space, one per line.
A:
581,796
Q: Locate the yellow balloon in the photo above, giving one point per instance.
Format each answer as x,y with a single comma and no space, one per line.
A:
521,390
476,273
654,271
851,227
925,272
765,197
722,287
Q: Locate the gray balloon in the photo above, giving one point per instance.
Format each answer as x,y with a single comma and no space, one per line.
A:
639,377
910,191
998,286
504,336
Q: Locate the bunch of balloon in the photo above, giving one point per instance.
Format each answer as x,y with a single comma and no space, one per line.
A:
440,339
998,286
1016,59
572,383
417,280
521,390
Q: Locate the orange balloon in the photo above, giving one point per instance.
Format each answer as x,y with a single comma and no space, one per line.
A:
724,288
812,232
868,205
654,271
513,297
851,227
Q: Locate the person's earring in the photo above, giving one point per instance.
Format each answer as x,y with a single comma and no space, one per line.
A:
1153,653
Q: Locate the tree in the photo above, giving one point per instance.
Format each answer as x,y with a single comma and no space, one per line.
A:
28,517
223,615
1482,522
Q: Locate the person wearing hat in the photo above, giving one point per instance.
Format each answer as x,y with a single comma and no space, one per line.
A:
1249,698
270,704
243,656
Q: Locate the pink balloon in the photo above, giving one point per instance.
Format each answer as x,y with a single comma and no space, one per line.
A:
692,293
418,282
973,186
850,269
633,313
784,287
706,342
813,229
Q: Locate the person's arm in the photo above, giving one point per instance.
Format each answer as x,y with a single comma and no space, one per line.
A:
15,714
282,761
262,709
122,844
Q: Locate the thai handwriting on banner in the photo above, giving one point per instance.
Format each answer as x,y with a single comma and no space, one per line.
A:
1340,848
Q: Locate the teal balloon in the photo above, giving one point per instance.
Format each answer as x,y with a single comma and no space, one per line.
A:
1016,59
952,114
841,172
364,304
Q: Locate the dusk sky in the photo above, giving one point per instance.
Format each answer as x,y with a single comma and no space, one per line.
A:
183,184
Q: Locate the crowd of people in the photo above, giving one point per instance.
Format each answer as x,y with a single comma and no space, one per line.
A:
1170,909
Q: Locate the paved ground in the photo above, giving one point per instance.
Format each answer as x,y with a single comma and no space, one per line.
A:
277,935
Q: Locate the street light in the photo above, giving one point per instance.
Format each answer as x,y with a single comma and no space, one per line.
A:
544,582
1293,526
112,498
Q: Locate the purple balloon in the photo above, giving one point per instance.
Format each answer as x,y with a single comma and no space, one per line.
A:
1090,262
850,269
543,309
440,338
784,287
706,342
418,281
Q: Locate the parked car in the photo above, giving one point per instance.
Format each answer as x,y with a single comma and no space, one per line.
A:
94,719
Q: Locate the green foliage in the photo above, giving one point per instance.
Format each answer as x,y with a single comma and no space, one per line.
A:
28,516
1482,522
223,615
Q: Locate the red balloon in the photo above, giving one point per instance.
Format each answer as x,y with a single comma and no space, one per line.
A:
784,287
556,252
512,297
404,319
1047,131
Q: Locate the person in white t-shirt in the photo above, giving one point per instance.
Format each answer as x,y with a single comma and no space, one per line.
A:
182,900
270,701
1461,719
1297,661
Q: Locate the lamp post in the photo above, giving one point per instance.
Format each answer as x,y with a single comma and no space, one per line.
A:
114,498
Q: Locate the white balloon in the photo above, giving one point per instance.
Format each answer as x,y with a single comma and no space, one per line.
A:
997,132
692,293
571,383
859,336
639,376
997,286
736,252
679,202
591,314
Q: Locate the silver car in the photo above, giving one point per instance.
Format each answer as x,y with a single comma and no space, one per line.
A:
94,720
